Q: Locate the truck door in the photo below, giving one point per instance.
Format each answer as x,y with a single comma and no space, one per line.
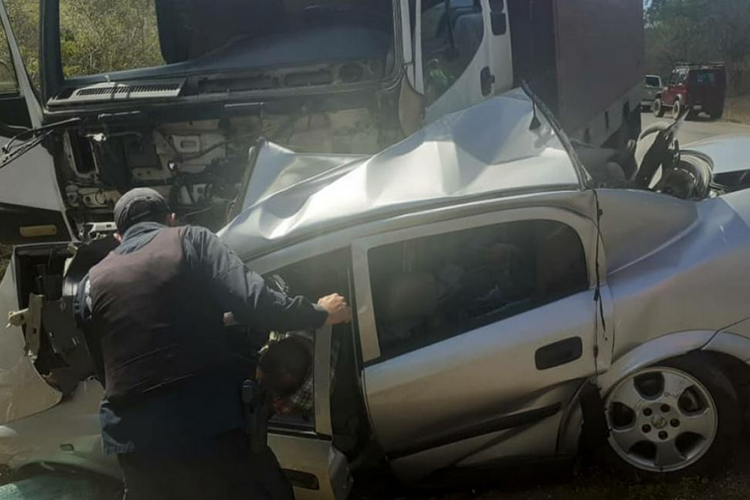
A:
464,53
31,207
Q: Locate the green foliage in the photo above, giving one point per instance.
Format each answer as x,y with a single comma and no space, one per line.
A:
96,36
700,31
100,36
24,17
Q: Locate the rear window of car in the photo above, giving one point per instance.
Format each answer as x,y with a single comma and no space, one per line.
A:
704,77
653,81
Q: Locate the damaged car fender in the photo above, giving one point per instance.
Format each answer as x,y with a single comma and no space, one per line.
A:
659,349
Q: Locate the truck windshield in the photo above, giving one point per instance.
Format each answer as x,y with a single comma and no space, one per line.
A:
102,37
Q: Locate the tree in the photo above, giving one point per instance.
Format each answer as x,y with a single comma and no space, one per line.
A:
96,36
698,31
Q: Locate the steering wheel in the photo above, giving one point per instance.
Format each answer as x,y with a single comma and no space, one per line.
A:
662,152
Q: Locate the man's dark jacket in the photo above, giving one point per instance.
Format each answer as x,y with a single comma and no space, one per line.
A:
153,315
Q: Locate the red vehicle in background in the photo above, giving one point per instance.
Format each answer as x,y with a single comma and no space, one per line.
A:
700,88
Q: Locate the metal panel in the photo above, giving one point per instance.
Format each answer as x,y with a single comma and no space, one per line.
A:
23,391
591,79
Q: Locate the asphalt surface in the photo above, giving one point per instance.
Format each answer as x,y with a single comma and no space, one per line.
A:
701,128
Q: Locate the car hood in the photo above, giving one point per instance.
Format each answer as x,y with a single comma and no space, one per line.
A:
492,149
728,153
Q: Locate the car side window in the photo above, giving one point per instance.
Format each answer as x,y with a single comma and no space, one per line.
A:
451,35
8,83
673,78
682,78
433,288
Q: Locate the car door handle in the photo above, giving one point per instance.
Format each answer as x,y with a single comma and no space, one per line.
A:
560,353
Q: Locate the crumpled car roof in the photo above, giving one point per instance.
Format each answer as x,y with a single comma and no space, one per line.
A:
489,149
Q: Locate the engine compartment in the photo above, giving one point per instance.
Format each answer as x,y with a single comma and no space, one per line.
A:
201,166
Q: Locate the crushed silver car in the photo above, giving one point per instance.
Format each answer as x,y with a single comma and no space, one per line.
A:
509,304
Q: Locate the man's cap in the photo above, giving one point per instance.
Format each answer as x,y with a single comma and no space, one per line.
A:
138,205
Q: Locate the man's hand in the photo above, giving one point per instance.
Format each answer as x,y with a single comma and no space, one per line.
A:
338,310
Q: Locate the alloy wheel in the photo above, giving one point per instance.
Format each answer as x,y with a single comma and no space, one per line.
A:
661,420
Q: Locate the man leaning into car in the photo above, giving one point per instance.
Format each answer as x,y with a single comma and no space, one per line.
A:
153,315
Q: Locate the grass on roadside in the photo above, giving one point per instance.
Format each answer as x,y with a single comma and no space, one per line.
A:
737,109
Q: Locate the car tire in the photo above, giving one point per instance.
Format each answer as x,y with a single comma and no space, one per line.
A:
676,109
703,422
657,108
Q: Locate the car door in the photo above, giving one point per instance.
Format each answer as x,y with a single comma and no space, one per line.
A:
31,207
455,380
315,467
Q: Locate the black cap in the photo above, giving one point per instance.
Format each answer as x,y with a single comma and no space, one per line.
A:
138,205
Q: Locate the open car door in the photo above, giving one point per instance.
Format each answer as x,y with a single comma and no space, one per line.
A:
314,466
31,207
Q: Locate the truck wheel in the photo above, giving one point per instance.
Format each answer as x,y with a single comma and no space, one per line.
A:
679,418
676,109
658,108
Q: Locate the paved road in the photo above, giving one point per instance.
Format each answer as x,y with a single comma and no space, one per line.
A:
692,131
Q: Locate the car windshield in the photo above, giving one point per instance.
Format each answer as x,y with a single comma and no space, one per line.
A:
120,36
653,81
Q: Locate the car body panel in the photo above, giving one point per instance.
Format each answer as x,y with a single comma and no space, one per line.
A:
728,153
705,259
23,391
651,352
30,201
67,434
497,153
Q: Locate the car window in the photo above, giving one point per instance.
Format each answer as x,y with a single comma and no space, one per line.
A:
707,78
673,78
312,278
451,35
100,37
24,18
429,289
7,73
682,77
653,81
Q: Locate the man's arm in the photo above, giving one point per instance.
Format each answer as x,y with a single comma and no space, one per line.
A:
83,315
245,293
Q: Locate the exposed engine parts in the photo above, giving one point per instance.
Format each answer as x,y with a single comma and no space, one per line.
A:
199,166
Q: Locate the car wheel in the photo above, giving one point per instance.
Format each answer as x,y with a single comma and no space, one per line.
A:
676,109
658,108
679,418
